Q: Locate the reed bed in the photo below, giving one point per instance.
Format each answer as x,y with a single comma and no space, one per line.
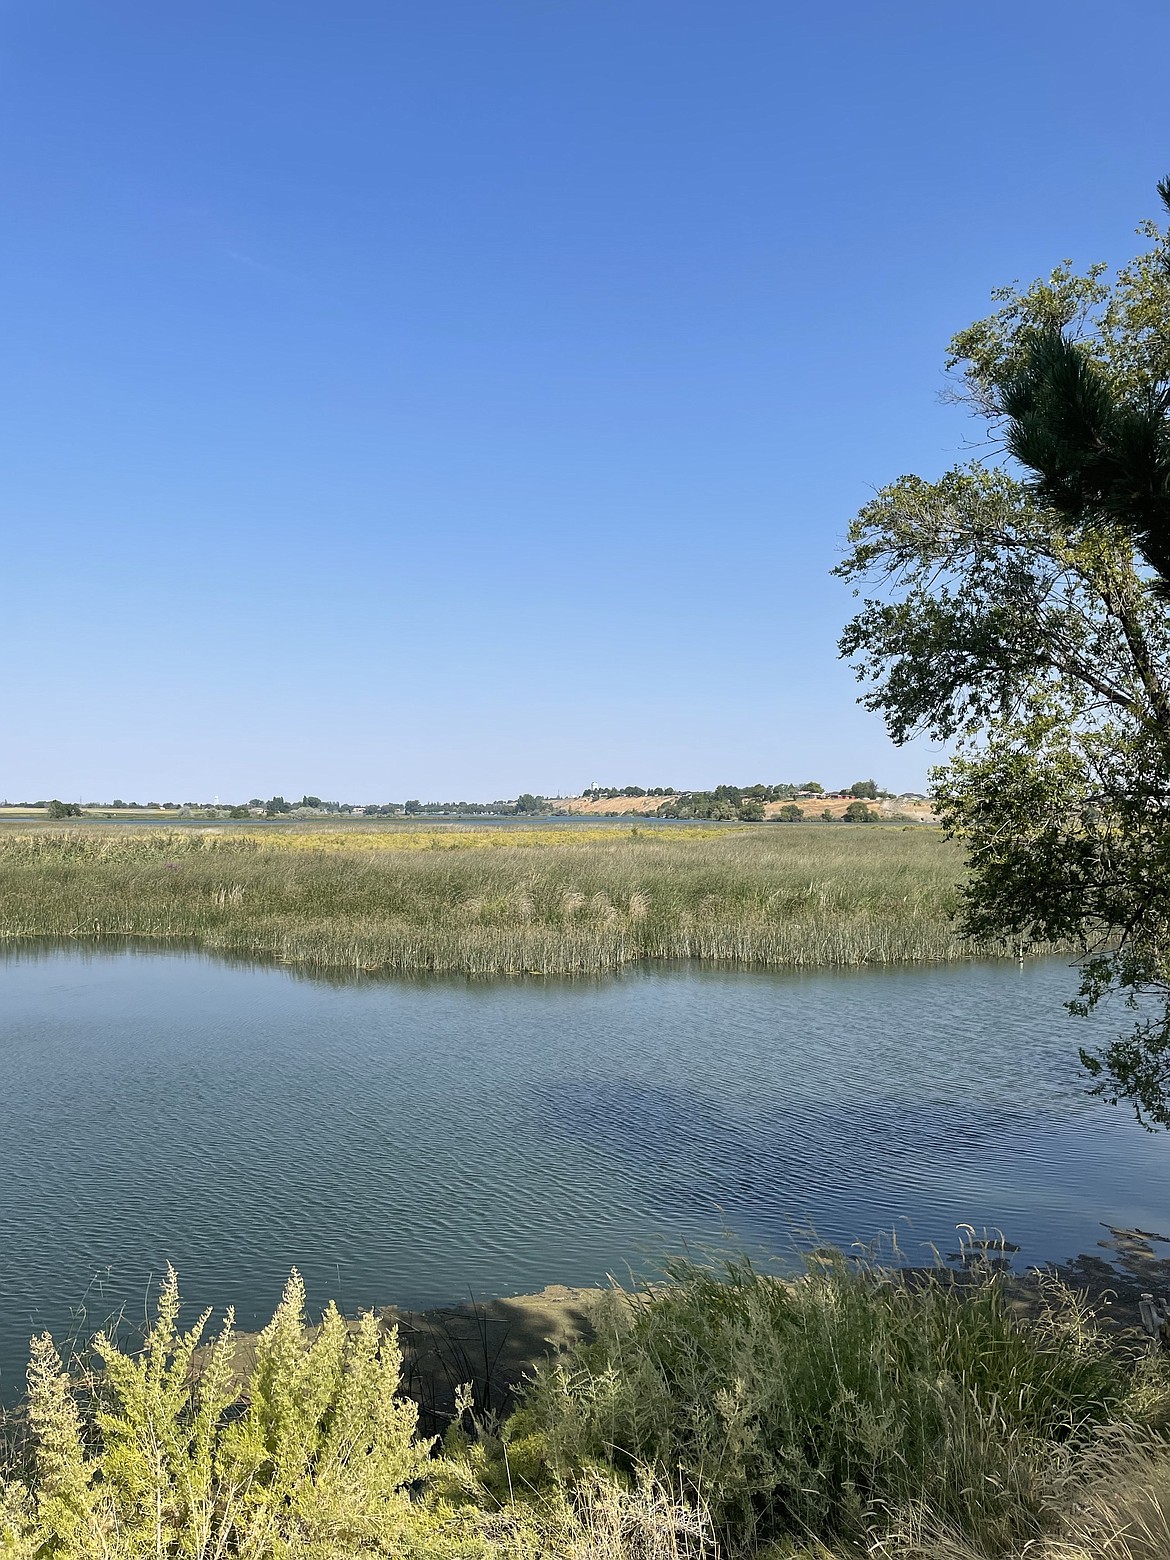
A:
556,901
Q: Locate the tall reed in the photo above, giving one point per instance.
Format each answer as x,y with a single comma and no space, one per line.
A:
552,901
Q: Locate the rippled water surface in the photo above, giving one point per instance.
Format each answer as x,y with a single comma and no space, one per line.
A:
411,1141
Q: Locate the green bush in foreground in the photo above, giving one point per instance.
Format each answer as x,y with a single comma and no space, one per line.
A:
152,1460
715,1414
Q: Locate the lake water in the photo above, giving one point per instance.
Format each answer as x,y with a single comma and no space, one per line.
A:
412,1141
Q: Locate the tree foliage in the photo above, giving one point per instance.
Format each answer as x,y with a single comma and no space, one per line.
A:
726,803
1097,444
1099,455
1014,618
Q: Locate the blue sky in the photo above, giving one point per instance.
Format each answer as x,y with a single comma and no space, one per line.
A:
456,397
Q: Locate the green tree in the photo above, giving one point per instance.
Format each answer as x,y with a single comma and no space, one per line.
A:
790,813
751,811
1098,446
1024,628
56,809
864,788
858,812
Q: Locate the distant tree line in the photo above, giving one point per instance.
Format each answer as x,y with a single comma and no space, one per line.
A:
726,802
58,809
525,805
746,804
609,793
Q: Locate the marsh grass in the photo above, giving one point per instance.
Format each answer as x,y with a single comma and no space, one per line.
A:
498,901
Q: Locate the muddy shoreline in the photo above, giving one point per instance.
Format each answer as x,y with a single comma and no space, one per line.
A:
493,1344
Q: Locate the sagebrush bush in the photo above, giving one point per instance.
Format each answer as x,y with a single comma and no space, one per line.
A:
161,1454
311,1453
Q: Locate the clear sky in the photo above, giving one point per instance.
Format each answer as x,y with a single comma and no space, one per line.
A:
449,398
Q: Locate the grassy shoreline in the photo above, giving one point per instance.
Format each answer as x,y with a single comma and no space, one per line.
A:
719,1413
497,902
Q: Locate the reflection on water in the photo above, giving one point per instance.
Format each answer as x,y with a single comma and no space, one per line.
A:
414,1139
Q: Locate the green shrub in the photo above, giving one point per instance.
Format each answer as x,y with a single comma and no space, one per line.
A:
826,1407
175,1452
168,1453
